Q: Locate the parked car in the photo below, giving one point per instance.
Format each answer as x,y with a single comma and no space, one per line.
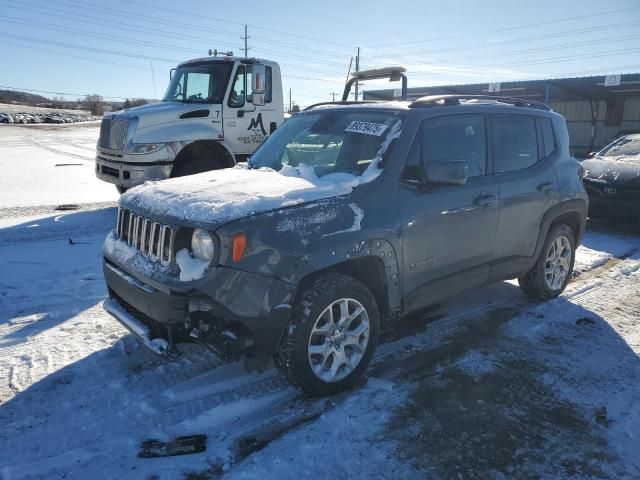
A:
348,216
612,179
6,118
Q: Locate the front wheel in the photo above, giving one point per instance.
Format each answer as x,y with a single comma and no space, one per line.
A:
331,336
552,271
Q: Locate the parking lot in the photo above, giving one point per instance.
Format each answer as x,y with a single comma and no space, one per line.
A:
483,385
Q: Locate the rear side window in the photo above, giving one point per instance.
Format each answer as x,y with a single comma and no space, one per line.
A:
515,143
546,133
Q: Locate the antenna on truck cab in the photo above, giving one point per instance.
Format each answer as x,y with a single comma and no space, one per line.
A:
392,73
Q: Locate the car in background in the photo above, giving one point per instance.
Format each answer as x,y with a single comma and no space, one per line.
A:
4,118
612,179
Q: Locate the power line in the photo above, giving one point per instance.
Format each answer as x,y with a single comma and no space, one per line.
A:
217,19
98,60
93,49
562,46
518,27
515,40
169,22
55,93
157,32
128,40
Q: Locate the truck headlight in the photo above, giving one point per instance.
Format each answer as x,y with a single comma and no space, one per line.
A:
142,148
202,245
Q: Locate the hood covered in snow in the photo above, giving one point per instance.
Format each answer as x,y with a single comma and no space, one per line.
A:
618,170
212,198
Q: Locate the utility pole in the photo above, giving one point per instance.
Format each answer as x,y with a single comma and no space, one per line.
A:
245,38
357,70
333,94
290,104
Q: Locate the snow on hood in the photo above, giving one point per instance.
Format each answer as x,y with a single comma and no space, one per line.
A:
614,169
220,196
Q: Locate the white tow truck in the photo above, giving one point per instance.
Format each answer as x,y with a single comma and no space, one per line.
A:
216,112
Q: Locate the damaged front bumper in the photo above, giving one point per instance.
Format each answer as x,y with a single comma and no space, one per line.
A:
232,312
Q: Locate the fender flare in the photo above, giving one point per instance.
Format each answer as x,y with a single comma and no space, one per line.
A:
570,207
374,248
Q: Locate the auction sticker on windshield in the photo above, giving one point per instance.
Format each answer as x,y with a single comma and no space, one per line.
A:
368,128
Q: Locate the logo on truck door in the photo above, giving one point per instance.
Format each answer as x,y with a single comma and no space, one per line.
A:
256,131
257,122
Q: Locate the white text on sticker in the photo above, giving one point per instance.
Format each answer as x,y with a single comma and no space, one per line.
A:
368,128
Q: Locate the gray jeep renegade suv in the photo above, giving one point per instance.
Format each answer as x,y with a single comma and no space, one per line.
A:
347,216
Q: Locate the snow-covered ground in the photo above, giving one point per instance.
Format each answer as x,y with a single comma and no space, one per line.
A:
485,385
50,165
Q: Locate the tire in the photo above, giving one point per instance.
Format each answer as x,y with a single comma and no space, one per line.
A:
120,189
550,275
349,349
196,165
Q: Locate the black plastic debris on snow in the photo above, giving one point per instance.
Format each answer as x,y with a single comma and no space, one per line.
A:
185,445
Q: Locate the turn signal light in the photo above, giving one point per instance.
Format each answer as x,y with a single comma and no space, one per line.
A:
239,246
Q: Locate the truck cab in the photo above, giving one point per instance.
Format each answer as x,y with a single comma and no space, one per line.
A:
215,113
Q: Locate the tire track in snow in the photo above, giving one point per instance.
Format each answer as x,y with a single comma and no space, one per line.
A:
43,146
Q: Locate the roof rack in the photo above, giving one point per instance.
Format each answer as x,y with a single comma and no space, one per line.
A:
392,73
447,100
347,102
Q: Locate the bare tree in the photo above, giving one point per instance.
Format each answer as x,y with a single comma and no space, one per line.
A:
95,104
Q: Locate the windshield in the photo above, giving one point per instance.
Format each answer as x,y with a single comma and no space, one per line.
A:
330,141
628,146
199,83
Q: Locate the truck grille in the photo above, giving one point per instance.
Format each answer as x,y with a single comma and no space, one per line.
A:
113,133
152,239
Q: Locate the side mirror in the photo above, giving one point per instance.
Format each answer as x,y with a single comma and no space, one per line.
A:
450,172
591,154
171,72
258,84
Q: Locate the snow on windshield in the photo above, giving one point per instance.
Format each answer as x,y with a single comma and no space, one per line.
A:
625,149
330,141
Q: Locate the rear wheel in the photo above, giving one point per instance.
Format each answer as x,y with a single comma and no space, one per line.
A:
331,336
552,271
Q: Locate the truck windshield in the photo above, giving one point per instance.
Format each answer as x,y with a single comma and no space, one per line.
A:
199,83
330,141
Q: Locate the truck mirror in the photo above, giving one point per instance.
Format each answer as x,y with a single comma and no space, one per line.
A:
258,84
171,72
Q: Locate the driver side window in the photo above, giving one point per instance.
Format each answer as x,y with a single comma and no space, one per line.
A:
447,138
236,95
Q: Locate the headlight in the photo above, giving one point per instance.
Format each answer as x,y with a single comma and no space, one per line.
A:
202,245
142,148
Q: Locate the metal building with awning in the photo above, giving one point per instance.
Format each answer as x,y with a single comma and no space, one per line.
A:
598,109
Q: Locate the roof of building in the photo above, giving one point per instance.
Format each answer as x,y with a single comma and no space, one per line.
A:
560,89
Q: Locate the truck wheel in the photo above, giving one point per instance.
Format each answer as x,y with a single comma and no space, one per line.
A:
120,189
552,271
196,165
331,336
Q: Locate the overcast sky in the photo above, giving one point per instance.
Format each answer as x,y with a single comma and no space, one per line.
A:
110,48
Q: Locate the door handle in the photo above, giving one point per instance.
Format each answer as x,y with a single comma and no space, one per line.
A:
485,200
546,187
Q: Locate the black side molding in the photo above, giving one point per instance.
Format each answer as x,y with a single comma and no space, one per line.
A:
196,114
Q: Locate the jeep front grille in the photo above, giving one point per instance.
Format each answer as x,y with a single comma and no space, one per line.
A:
152,239
113,133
